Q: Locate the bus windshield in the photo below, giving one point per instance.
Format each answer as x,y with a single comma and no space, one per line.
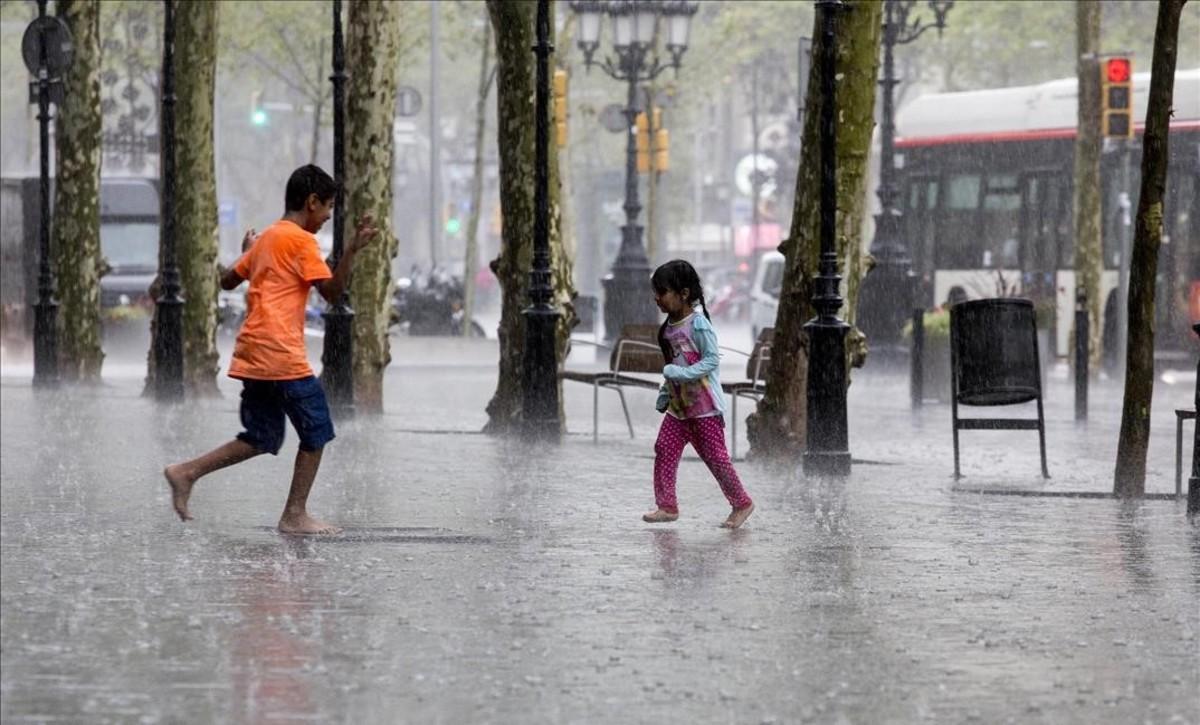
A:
130,244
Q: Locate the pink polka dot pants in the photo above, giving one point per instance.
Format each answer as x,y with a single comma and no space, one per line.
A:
707,436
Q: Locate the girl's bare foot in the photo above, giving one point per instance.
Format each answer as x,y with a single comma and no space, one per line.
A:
660,516
737,517
305,525
181,488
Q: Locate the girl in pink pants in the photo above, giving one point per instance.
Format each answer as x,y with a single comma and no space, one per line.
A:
691,396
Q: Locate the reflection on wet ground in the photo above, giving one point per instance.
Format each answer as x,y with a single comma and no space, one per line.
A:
479,580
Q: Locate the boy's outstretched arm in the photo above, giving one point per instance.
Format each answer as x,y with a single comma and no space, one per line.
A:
230,278
331,289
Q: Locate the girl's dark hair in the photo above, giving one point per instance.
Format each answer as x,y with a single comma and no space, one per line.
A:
305,181
676,276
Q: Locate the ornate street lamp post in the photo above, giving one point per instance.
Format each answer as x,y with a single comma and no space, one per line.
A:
337,355
47,51
168,338
540,380
627,298
886,299
827,452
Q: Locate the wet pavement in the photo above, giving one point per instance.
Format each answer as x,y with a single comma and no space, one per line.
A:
483,581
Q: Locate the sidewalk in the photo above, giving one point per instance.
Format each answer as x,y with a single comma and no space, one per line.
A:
483,581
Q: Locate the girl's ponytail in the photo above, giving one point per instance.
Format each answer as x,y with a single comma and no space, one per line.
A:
668,354
704,308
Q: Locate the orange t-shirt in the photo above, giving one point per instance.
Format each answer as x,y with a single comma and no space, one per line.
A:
283,263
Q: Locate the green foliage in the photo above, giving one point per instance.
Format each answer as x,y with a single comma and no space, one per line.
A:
990,43
936,325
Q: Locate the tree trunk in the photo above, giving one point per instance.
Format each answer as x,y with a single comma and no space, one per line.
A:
486,74
777,429
513,27
372,57
1088,256
1130,476
76,250
196,237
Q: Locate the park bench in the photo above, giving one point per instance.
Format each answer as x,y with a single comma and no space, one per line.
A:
755,386
635,361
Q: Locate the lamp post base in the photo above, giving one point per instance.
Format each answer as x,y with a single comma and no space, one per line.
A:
168,351
541,422
337,359
827,437
45,344
628,300
827,463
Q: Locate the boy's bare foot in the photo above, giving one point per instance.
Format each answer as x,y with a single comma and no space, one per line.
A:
737,517
181,489
659,516
305,525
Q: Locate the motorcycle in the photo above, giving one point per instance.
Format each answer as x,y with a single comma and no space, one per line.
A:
430,304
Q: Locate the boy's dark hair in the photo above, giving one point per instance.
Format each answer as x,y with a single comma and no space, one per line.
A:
306,180
676,276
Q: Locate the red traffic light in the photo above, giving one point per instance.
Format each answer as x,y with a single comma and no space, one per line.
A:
1117,70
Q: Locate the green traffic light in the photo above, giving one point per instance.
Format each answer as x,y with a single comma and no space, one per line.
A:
259,118
453,225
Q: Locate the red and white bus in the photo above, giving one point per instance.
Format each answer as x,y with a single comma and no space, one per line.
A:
988,195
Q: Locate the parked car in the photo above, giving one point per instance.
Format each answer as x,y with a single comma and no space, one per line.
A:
764,293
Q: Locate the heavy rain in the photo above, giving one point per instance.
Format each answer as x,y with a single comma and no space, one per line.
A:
616,361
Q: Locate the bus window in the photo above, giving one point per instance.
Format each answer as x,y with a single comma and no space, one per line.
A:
919,221
1000,221
957,244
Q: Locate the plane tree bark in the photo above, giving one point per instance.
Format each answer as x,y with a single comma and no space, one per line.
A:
372,57
1088,260
1130,475
513,29
777,428
78,260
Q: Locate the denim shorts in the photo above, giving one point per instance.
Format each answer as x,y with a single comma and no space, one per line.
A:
265,403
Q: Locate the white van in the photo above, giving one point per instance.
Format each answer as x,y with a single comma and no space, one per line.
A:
764,294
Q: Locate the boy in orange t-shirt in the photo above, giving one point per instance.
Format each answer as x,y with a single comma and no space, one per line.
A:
270,358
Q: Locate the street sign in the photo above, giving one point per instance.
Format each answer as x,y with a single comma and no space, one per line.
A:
59,48
613,118
408,101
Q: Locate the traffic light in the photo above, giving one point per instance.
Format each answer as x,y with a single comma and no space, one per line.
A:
560,107
643,143
257,115
1116,97
647,129
453,224
661,141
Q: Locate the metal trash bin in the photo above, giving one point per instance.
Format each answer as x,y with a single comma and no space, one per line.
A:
994,361
996,351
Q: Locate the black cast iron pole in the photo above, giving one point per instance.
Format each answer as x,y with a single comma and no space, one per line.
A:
540,369
828,451
45,321
1081,354
337,355
627,296
886,298
168,339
